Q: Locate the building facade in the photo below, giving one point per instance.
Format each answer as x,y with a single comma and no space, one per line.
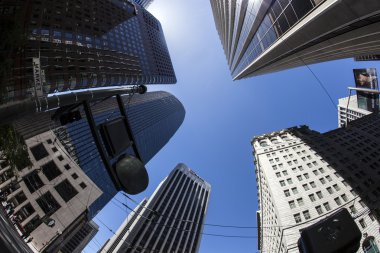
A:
52,46
143,3
353,112
304,176
171,220
265,36
80,237
50,197
154,118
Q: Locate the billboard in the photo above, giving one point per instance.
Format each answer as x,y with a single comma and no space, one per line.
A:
367,78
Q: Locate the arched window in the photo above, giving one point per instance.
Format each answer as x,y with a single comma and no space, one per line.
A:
263,144
274,140
370,246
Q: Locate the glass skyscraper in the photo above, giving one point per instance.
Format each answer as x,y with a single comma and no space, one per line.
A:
263,36
171,220
143,3
50,46
154,118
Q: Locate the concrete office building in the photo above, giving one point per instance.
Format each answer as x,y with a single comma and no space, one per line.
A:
265,36
161,223
49,198
51,46
304,176
353,112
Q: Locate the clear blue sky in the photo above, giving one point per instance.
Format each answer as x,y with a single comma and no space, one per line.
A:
222,116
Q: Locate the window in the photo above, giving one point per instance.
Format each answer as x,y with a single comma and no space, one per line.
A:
49,141
312,197
278,174
51,170
309,165
292,204
54,149
299,178
60,158
322,180
362,203
67,167
344,197
39,152
329,190
319,194
337,201
282,183
300,168
353,209
353,193
33,181
274,167
289,180
315,163
306,175
271,160
371,216
287,193
297,218
277,159
300,201
312,184
294,190
280,165
306,214
32,224
306,187
285,173
74,175
328,178
321,170
362,223
66,190
48,204
336,187
327,206
315,172
82,185
319,210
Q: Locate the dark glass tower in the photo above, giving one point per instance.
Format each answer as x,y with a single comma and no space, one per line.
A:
50,46
264,36
171,220
154,118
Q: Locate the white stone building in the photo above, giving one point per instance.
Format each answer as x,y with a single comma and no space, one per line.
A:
304,176
353,111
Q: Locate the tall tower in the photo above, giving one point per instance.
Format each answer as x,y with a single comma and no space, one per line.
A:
154,118
171,220
54,46
304,176
265,36
143,3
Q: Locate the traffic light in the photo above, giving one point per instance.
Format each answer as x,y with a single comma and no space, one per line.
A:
338,233
70,117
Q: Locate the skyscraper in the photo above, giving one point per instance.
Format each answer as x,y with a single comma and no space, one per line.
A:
50,46
265,36
304,176
154,118
143,3
353,111
171,220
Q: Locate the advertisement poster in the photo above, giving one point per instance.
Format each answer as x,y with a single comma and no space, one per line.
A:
367,78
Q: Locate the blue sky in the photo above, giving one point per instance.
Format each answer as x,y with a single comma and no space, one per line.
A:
222,117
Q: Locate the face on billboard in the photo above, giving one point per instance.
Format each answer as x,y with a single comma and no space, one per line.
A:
367,78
